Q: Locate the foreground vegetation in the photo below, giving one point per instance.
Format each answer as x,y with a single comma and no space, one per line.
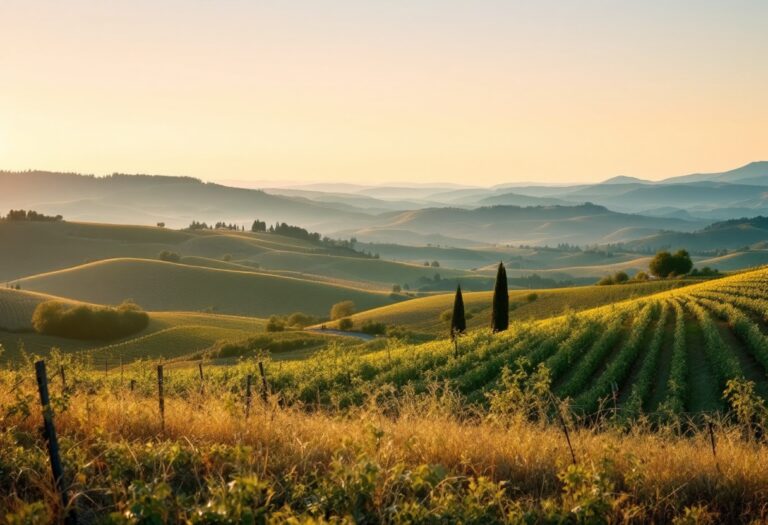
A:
418,458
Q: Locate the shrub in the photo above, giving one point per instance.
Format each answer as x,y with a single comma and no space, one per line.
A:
346,324
301,320
275,324
396,288
641,276
531,297
227,257
665,264
605,281
342,309
373,328
620,277
89,322
168,256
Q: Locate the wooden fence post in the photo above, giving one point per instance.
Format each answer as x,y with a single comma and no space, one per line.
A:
565,428
202,378
248,380
49,433
264,391
713,444
160,398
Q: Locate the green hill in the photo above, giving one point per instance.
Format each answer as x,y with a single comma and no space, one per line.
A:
423,315
674,351
157,285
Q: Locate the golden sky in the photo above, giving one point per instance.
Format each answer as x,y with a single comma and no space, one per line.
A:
475,91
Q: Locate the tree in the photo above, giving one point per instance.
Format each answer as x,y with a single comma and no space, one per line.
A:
665,264
346,324
458,321
342,309
396,288
259,226
500,312
435,264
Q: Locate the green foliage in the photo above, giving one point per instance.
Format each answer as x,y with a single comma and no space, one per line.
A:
373,328
500,302
342,309
275,324
458,319
346,324
665,264
89,322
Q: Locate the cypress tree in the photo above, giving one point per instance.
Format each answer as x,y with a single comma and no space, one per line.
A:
458,322
500,313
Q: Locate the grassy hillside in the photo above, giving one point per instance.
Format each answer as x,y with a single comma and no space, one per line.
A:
157,285
35,247
169,334
422,315
674,351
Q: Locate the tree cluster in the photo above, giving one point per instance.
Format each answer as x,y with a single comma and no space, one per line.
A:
89,322
31,215
666,264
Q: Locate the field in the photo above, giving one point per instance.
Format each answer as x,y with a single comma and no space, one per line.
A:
423,315
157,285
663,396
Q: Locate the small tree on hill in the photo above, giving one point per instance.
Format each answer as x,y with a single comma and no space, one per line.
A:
458,321
342,309
500,312
665,264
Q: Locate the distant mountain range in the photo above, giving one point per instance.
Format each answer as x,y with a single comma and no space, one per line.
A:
619,210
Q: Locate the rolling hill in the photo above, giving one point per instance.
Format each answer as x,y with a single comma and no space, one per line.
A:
157,285
541,225
39,247
423,315
149,199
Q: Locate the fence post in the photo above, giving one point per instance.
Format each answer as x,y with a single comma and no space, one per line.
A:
713,444
133,384
202,378
565,428
248,380
49,433
160,398
264,391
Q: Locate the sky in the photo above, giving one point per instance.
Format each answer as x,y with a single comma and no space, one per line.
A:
473,92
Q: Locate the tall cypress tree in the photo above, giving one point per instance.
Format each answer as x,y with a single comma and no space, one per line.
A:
458,321
500,313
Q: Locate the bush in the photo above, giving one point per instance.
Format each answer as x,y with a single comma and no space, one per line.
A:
665,264
396,288
275,324
301,320
89,322
342,309
641,276
620,277
346,324
168,256
605,281
373,328
531,297
227,257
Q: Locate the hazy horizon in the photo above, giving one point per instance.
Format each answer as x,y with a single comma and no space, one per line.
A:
478,94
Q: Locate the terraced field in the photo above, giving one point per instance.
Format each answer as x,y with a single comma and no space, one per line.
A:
672,351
